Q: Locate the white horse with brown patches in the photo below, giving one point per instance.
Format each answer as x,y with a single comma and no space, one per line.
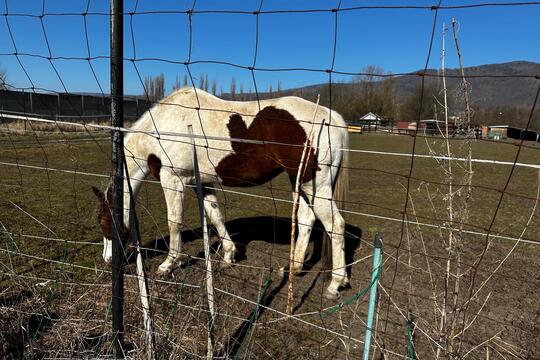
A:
239,144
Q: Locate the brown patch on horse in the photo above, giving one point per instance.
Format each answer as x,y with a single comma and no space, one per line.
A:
255,164
154,164
105,215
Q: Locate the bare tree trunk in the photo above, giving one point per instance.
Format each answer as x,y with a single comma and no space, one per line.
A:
442,325
299,177
465,214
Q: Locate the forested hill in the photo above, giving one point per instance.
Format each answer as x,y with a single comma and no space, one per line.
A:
489,85
498,93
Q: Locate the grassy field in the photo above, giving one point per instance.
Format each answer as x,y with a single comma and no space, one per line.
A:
53,279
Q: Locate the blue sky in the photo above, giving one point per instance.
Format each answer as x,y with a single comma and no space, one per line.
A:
394,39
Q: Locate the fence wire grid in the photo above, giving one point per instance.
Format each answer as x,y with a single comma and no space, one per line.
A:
459,274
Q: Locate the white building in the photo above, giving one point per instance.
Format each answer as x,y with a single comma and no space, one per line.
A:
372,119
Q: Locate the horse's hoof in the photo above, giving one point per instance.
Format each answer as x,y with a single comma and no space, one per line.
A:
331,295
107,258
228,257
163,274
164,271
223,265
345,284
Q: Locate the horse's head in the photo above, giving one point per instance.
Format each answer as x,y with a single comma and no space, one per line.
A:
106,222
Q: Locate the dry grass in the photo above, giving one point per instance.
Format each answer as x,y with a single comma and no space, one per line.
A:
62,207
22,127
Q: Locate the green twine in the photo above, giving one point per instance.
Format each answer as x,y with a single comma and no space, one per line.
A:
54,289
13,244
335,308
12,249
254,313
409,340
178,297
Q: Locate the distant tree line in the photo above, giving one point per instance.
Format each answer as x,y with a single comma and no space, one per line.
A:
154,87
432,108
516,116
372,92
3,78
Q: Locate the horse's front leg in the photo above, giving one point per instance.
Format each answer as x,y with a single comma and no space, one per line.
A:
173,189
211,207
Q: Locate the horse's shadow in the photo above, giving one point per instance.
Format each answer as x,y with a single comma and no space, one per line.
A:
273,230
270,229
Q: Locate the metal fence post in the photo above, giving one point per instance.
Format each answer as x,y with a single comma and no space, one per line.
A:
117,120
377,265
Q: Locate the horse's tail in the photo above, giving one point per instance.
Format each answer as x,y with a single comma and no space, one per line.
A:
341,184
340,190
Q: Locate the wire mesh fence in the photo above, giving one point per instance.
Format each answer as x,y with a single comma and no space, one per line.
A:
458,277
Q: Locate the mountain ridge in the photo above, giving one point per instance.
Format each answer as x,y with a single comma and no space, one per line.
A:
511,84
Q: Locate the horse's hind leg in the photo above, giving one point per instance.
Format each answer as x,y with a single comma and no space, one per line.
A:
211,207
305,220
173,188
327,212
